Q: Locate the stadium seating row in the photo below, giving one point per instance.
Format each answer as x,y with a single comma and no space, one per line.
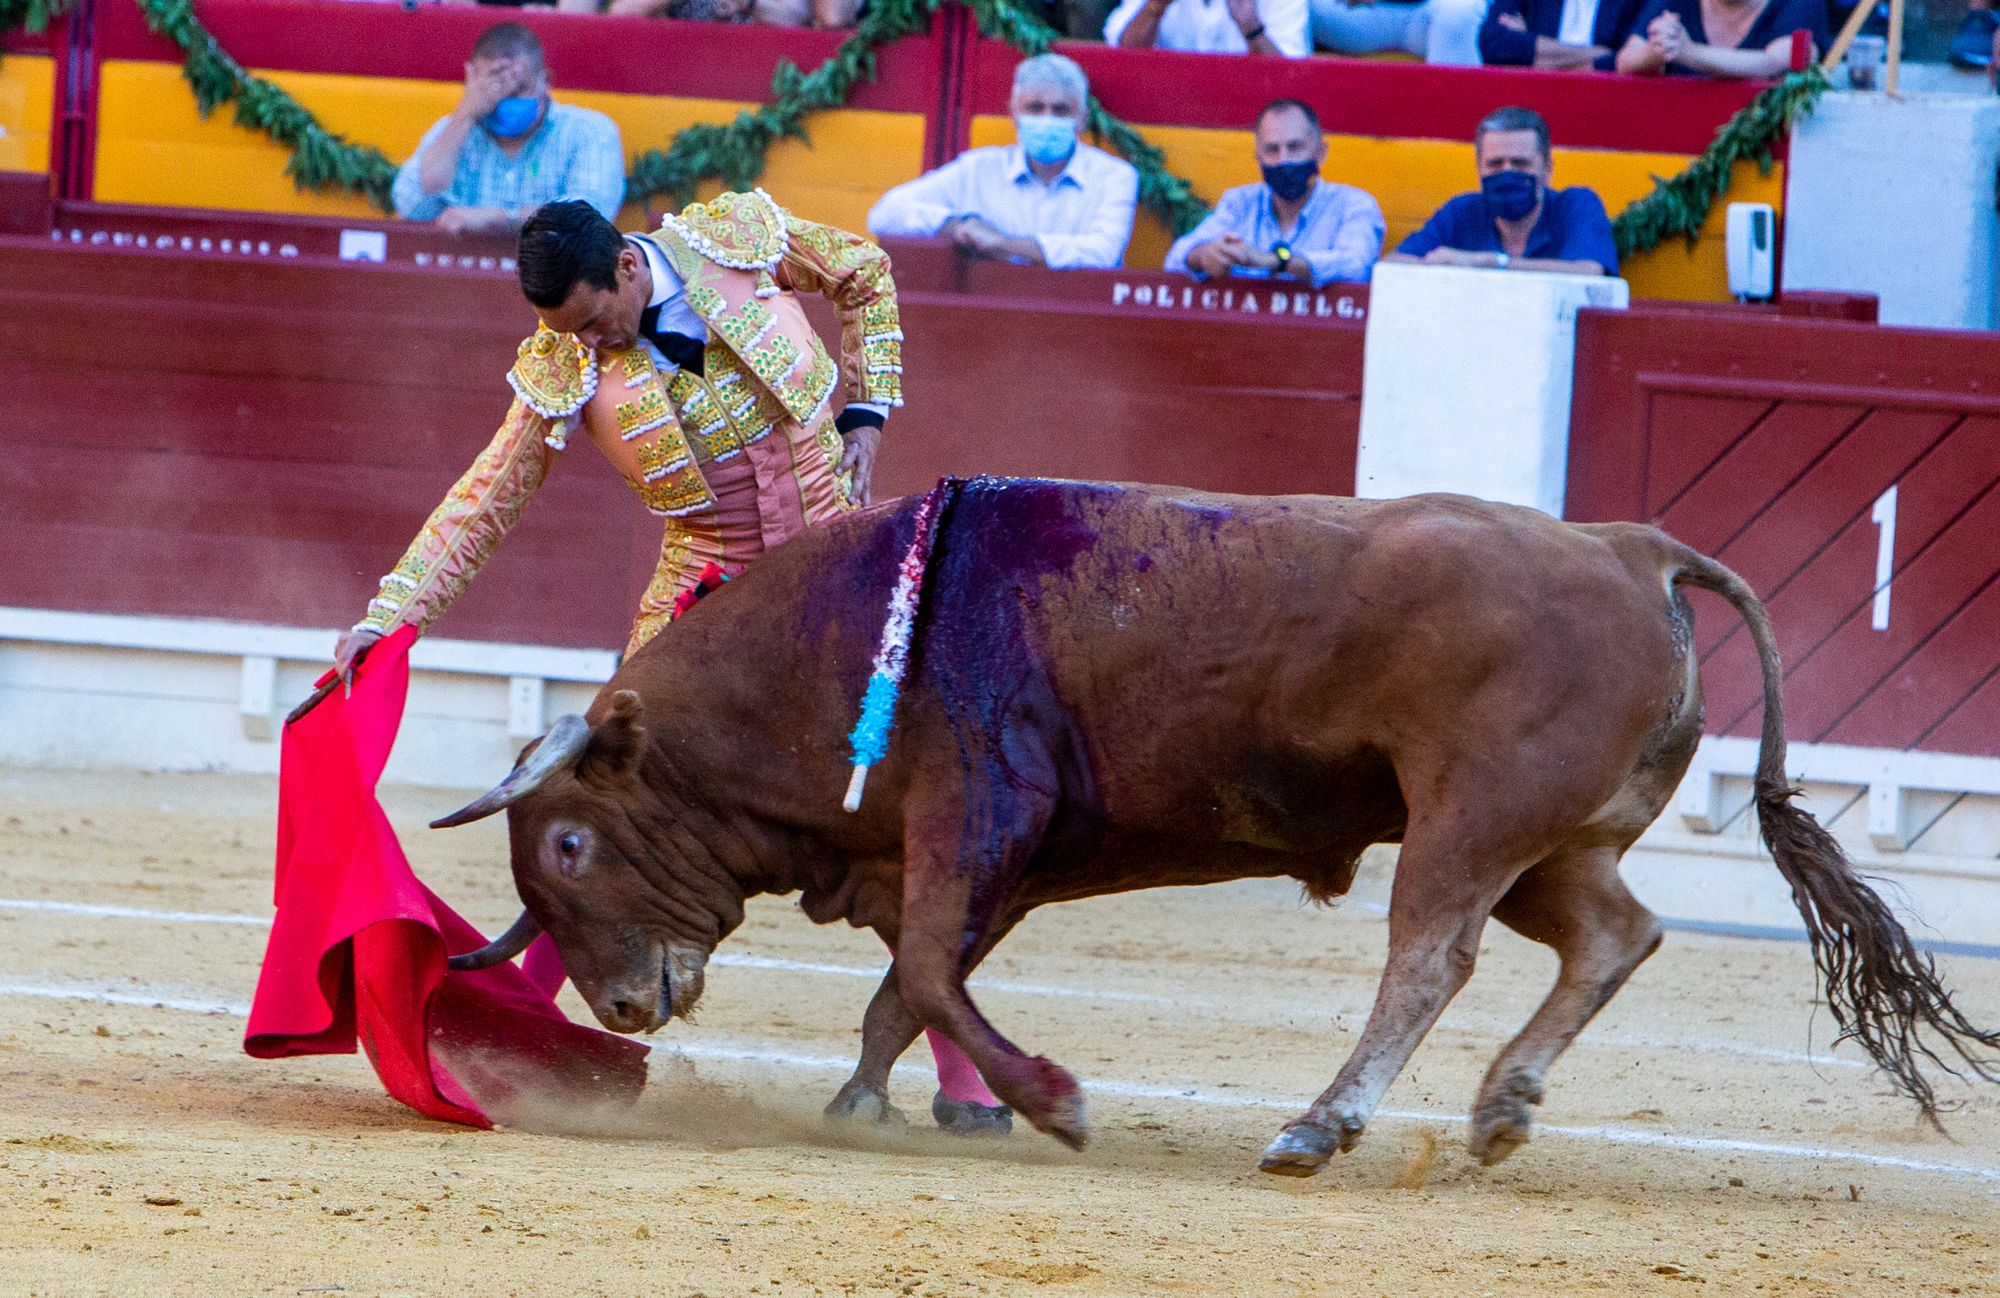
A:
380,75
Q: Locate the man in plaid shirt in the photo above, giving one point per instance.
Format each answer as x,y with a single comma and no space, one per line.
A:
508,148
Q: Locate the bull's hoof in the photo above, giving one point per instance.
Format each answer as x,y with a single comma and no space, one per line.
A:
1300,1150
1500,1120
865,1105
1492,1140
967,1118
1067,1121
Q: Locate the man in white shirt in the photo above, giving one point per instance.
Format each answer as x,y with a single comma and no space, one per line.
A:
1048,200
1212,26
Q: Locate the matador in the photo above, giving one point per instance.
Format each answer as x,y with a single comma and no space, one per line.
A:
685,356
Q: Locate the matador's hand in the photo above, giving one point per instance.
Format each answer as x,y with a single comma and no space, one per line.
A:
349,649
859,459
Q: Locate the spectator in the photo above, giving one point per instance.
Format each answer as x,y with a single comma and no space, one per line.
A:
1211,26
1437,31
508,148
1295,223
1720,38
1560,34
775,13
1080,20
1048,200
1516,221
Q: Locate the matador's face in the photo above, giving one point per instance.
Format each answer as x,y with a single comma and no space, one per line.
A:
605,318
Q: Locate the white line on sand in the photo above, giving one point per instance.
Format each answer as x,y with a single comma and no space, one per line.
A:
727,959
873,973
140,996
769,1053
94,911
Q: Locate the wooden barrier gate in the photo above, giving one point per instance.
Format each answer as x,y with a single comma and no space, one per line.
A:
1851,473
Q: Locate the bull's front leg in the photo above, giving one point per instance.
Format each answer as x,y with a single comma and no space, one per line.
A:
961,871
887,1030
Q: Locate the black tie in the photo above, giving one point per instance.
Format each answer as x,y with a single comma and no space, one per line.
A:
681,349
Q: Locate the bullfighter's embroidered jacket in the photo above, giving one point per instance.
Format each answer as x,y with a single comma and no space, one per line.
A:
737,459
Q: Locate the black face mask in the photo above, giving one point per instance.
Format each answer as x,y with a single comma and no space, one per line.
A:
1291,180
1511,195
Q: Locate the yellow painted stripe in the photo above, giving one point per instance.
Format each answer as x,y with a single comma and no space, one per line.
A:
152,147
27,108
1412,178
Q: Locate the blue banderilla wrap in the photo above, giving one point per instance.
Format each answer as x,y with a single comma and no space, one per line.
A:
870,736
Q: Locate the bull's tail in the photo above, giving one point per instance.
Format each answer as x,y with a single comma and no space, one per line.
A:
1882,991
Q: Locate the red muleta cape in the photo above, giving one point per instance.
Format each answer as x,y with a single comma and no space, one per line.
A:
358,945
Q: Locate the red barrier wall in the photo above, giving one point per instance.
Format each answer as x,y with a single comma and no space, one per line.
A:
1803,453
246,435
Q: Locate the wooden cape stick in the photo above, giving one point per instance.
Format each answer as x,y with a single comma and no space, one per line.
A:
312,700
1895,47
1848,31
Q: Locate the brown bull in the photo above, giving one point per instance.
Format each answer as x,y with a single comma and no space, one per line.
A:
1128,687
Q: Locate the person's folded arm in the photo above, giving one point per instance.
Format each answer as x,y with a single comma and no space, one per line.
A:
1356,247
1220,221
1639,57
1774,60
1503,43
918,209
1422,241
1589,246
407,194
1102,245
1552,55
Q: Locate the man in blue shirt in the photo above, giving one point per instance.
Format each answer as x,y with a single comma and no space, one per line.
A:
1516,221
508,147
1294,225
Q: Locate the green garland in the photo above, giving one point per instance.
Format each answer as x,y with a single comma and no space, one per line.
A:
1680,206
734,152
320,159
35,15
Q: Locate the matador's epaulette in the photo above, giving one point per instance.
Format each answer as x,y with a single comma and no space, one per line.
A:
554,375
741,231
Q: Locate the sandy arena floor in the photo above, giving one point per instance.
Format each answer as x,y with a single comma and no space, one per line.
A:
1690,1140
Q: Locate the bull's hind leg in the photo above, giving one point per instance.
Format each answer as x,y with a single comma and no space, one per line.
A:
1574,902
1445,888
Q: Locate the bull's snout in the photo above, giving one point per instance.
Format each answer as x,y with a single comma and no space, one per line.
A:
629,1008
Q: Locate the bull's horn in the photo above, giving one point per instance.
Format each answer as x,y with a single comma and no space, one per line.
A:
558,751
503,948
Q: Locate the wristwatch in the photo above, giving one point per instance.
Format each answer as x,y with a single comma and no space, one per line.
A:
1253,33
1500,260
1283,252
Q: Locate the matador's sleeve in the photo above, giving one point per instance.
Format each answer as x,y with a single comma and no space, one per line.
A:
853,274
552,380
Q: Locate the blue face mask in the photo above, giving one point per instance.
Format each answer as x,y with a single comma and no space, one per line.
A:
1046,139
512,118
1511,195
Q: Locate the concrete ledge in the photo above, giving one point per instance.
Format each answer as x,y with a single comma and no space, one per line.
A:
85,690
1924,826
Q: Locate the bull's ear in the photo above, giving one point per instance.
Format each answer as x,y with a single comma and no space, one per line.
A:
617,741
